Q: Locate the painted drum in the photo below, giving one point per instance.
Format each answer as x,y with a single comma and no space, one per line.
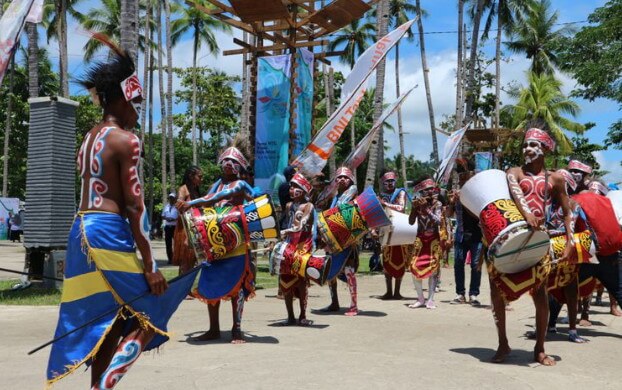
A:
214,232
287,260
400,232
512,245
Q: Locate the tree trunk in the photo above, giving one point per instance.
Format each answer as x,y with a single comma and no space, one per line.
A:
426,82
400,126
146,90
163,121
329,91
33,60
376,151
194,98
129,27
169,95
470,92
460,66
500,6
151,148
61,32
7,129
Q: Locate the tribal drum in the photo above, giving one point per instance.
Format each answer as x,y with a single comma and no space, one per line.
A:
287,260
215,232
345,225
513,246
400,232
586,250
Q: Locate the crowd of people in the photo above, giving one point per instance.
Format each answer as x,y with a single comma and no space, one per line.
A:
103,275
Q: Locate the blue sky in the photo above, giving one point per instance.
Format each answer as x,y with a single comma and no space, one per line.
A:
441,54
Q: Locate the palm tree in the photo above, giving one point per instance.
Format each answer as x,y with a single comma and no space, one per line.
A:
536,38
460,65
146,89
542,104
354,38
163,121
476,15
169,92
55,17
399,10
426,81
129,26
7,129
376,152
202,27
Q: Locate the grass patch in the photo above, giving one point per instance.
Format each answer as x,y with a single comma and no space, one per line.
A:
32,296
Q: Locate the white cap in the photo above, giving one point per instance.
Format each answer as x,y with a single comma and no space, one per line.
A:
172,195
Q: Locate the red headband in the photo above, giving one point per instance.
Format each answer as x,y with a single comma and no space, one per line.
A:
389,176
234,154
579,166
424,185
541,136
596,186
302,182
345,171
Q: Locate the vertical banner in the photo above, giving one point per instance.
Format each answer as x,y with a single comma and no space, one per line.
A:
304,100
272,129
449,155
7,206
11,26
483,161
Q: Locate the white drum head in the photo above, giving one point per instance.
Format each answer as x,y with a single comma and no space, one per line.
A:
483,189
522,249
400,232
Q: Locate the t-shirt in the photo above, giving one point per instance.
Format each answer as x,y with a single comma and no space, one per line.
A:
170,212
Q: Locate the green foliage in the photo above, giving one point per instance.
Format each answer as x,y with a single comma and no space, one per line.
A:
593,56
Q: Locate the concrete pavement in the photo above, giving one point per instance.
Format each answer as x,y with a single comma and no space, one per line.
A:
387,346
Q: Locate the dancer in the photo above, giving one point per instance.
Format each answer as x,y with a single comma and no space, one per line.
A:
394,258
298,236
103,275
183,254
427,254
533,188
346,192
230,277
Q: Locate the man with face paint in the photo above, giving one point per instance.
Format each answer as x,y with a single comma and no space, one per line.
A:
394,258
102,270
580,173
299,235
346,192
427,253
533,189
229,190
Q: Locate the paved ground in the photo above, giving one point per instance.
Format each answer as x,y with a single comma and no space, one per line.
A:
387,346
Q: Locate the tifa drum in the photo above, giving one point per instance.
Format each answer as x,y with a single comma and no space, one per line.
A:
513,245
616,201
346,224
400,232
286,260
213,232
586,250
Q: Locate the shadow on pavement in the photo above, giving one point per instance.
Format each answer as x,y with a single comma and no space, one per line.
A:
401,299
225,338
281,324
517,357
341,311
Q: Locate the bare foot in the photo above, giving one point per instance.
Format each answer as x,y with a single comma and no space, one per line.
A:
584,322
544,359
237,337
305,322
330,308
209,335
353,311
288,322
615,312
501,354
387,296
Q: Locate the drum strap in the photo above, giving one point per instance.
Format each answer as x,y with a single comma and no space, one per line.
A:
547,210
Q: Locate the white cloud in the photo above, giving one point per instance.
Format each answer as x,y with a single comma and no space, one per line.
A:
611,165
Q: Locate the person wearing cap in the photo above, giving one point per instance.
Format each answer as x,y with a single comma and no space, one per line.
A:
217,282
298,233
394,258
169,215
427,254
533,189
346,192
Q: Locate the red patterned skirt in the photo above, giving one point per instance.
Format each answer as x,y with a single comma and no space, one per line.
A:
395,259
426,256
513,286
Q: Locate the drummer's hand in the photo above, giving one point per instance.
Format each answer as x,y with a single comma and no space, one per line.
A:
182,206
157,283
419,202
570,254
533,221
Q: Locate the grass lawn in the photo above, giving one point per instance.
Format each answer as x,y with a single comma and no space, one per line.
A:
36,296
